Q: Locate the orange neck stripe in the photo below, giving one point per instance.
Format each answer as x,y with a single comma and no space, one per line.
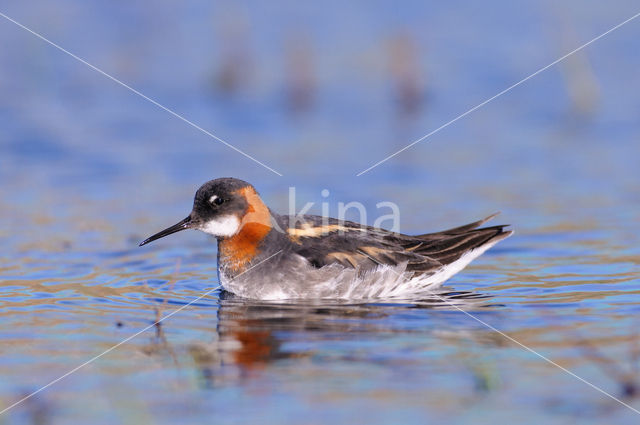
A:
238,250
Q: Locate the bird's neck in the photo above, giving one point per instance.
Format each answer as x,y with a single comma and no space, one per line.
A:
236,252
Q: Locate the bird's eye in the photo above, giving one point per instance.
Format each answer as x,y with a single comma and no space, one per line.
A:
215,200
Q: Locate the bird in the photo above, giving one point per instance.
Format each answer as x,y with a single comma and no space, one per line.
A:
263,255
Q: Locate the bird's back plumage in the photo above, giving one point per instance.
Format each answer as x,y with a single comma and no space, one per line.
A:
324,241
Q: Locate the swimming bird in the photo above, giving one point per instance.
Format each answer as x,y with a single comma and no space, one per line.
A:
265,255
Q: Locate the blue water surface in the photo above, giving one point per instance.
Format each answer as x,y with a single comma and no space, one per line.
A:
319,93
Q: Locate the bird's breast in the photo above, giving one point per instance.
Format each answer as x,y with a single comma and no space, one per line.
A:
237,252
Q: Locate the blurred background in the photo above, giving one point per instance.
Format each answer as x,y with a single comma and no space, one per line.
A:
318,92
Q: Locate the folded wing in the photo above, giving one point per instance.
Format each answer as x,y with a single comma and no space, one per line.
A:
363,248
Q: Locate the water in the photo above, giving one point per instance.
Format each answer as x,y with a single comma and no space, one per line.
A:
88,169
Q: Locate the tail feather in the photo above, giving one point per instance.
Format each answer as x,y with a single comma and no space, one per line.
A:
449,246
454,264
476,240
457,230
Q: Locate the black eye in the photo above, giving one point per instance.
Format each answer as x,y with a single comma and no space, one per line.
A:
218,201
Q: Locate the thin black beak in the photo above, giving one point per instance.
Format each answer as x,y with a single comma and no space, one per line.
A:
184,224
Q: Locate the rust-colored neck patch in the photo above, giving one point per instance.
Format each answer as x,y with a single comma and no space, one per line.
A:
238,250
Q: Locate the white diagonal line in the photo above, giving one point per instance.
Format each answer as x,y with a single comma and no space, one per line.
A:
497,95
175,114
94,358
531,350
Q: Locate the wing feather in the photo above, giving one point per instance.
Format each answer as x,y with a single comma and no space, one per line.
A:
364,248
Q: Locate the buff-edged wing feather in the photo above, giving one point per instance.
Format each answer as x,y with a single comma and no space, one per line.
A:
325,241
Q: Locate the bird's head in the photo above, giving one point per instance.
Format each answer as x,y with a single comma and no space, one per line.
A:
221,207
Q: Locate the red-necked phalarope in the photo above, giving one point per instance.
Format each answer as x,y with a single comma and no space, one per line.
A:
320,257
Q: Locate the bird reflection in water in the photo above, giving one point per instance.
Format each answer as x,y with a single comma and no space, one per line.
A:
246,339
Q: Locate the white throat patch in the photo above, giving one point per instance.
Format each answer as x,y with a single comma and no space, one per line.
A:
224,226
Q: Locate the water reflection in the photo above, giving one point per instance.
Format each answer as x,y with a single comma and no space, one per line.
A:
249,335
248,338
